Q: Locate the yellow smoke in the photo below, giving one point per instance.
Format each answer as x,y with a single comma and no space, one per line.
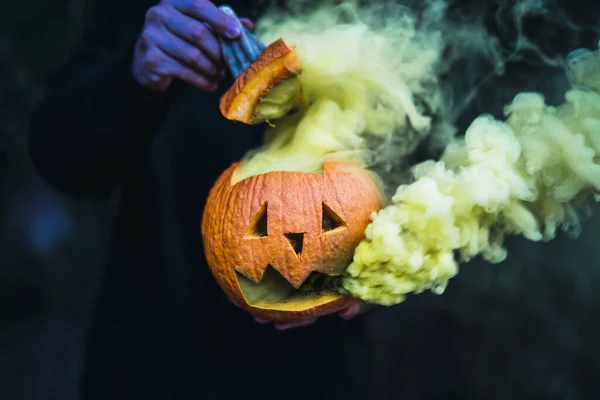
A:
529,175
371,80
359,80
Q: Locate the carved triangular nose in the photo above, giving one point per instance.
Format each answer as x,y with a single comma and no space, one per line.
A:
297,241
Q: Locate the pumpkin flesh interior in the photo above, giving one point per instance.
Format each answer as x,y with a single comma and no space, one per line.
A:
260,85
275,293
279,101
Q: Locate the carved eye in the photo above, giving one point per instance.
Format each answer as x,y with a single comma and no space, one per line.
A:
258,224
330,220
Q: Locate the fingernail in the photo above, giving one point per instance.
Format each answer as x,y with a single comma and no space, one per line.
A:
233,31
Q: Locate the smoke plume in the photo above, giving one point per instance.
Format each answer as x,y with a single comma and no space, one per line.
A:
387,85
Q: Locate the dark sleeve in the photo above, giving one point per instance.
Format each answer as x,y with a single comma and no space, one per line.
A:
93,123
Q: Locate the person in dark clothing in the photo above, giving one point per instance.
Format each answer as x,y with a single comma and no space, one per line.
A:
118,115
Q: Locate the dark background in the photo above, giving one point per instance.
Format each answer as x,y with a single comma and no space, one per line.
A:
526,329
51,247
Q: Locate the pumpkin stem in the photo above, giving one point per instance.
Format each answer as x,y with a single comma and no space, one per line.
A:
241,53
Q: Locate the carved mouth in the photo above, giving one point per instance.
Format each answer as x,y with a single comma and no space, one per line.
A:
276,293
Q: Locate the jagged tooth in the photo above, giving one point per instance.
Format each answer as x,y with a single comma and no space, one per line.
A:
254,274
296,277
260,272
254,267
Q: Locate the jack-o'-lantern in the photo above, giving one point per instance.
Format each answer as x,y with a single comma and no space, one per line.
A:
277,242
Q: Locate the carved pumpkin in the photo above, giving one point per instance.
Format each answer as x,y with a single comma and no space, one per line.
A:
265,90
275,242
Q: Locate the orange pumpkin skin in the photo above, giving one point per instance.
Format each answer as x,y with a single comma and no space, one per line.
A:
277,63
295,204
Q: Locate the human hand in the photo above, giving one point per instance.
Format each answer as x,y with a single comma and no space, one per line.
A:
356,308
180,39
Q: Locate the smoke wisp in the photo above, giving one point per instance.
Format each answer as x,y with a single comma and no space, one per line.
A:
381,88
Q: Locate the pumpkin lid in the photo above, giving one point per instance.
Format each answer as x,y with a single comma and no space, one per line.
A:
278,63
